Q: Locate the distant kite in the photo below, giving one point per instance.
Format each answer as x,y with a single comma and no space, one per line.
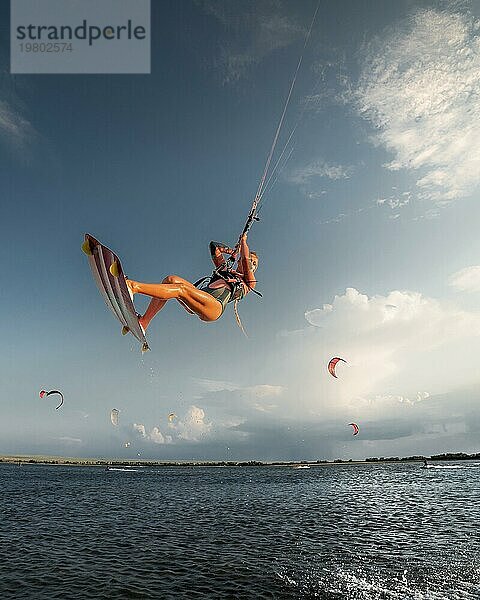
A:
127,444
114,417
171,416
355,428
333,363
44,394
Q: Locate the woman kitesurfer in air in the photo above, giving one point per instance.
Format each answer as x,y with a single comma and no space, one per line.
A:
209,300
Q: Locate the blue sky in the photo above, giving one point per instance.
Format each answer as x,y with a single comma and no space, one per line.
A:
368,241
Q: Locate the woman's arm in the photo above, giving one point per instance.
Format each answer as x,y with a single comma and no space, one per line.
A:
248,273
217,250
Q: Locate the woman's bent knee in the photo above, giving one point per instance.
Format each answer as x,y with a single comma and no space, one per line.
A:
209,319
172,279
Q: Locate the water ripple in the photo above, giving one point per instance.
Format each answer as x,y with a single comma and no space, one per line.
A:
337,532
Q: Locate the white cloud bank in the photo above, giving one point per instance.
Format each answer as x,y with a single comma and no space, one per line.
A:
154,435
466,280
191,427
395,345
406,372
420,88
400,319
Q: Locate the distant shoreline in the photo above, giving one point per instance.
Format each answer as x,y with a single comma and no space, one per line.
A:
103,462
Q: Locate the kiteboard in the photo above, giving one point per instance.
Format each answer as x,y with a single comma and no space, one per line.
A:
110,279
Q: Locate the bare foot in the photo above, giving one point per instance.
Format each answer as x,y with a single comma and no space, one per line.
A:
143,323
131,286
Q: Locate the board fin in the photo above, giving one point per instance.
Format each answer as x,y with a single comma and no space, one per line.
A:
86,248
114,270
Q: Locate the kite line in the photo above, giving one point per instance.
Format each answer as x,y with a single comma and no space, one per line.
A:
263,184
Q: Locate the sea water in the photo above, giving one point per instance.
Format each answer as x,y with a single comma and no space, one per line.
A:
338,531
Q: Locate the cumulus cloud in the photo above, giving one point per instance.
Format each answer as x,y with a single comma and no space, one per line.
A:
255,30
466,280
156,436
229,407
420,88
190,427
390,340
310,418
400,319
140,429
403,349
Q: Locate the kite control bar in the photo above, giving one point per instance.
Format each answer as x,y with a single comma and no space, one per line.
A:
252,216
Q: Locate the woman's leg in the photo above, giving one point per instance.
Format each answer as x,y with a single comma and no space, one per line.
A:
156,304
200,303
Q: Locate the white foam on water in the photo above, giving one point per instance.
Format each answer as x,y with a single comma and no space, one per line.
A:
357,584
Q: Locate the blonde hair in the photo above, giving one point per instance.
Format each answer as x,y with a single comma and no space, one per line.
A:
237,317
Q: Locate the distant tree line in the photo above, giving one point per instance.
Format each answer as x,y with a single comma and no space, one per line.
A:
249,463
447,456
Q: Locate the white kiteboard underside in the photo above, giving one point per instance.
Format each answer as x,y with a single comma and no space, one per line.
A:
113,287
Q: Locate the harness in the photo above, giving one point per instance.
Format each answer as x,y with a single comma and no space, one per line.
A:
235,285
234,281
